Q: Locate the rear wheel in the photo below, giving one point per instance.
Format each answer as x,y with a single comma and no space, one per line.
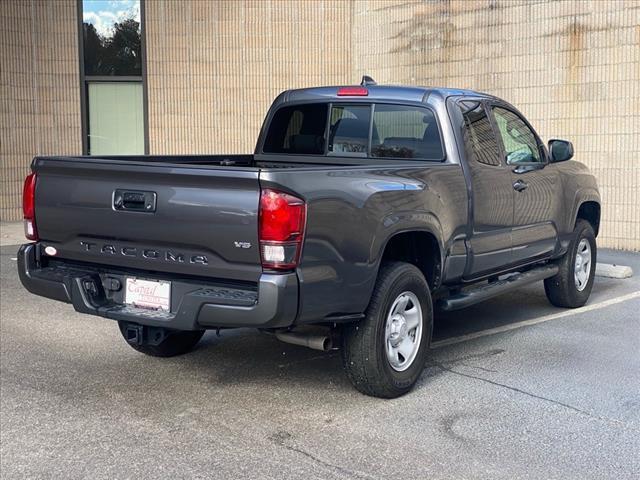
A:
159,342
572,285
384,354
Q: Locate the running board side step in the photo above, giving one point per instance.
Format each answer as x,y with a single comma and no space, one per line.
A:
479,294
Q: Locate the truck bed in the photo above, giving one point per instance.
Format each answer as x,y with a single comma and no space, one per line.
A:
201,210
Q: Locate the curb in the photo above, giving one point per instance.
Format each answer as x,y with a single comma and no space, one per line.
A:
609,270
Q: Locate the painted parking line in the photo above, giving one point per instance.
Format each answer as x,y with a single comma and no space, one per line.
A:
535,321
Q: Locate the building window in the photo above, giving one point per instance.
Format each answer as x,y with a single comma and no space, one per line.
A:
112,71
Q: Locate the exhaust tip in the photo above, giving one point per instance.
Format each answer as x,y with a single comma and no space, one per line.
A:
327,344
310,339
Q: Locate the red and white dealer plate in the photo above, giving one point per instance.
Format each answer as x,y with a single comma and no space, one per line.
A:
148,294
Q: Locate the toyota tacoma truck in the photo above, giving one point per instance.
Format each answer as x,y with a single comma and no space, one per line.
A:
362,210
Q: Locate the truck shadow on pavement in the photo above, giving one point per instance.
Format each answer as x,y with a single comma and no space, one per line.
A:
246,357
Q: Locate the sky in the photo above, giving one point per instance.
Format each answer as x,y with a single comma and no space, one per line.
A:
102,14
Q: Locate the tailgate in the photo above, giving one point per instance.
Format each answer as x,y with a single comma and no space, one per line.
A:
203,220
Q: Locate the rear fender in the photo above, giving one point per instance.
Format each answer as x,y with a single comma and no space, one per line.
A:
408,222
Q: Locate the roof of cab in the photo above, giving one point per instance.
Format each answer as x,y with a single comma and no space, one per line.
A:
377,93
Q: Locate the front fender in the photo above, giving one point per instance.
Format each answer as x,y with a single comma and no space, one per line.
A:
578,186
583,195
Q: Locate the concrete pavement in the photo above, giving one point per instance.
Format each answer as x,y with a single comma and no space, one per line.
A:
557,399
11,233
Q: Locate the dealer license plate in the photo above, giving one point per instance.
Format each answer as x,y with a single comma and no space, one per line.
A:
151,294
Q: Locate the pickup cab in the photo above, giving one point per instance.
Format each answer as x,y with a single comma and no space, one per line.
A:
363,209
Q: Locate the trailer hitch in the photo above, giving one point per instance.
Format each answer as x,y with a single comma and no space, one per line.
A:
136,334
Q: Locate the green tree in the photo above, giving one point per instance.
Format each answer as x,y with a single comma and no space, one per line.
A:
118,54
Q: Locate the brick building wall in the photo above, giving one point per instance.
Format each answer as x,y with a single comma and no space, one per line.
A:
571,66
39,90
215,67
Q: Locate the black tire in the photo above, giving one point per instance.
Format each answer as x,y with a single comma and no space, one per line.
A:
561,289
176,342
364,346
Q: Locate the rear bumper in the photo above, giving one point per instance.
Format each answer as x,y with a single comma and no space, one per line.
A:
195,304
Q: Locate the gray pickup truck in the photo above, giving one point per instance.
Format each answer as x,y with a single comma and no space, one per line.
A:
362,209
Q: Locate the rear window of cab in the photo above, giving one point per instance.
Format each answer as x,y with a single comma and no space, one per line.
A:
361,130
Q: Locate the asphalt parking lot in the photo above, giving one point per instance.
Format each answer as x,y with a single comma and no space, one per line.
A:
515,388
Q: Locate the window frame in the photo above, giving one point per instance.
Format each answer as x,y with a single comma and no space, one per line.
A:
491,105
332,156
86,79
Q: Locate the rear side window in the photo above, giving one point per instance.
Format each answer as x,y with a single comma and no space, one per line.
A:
297,129
405,132
349,129
480,141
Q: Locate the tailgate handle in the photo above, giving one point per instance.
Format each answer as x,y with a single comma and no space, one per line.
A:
134,201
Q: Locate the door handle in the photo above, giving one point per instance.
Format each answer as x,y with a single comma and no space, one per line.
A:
520,185
134,201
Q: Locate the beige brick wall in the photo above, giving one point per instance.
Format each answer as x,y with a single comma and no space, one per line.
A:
39,90
214,67
572,67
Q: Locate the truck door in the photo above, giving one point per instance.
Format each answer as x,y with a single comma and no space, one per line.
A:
535,183
492,193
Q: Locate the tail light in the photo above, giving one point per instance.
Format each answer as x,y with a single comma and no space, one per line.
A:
281,230
29,207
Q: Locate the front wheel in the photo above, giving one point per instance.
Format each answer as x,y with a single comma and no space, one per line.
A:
572,285
385,353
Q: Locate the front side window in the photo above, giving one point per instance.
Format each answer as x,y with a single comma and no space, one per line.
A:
519,141
297,130
479,140
112,79
405,132
349,129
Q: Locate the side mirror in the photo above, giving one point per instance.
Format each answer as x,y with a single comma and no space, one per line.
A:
560,150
